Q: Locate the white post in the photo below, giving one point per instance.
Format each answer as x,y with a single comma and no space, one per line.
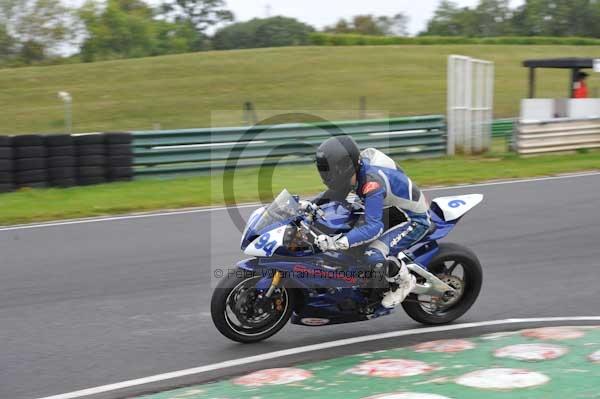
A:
68,101
470,104
450,100
490,105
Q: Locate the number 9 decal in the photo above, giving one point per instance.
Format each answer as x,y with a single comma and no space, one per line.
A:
456,203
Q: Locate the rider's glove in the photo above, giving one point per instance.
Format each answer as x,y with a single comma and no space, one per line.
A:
329,243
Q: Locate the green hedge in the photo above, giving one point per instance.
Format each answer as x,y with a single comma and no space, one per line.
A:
329,39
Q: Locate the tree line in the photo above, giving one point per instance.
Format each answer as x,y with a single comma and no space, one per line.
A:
492,18
35,31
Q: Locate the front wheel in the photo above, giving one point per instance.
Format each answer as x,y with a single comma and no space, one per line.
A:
242,313
458,267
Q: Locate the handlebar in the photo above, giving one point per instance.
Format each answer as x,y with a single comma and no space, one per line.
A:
314,209
311,210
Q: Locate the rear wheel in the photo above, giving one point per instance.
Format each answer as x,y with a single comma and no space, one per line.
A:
242,313
458,267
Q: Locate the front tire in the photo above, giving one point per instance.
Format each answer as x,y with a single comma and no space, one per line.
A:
241,315
444,264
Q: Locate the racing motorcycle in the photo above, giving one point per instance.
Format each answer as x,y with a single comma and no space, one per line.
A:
288,276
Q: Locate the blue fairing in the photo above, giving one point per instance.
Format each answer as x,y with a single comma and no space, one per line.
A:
442,228
338,219
331,284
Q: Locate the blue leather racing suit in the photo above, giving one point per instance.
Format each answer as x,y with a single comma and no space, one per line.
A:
395,215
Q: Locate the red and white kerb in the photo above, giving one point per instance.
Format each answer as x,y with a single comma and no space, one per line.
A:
531,352
391,368
445,346
553,333
406,395
502,378
277,376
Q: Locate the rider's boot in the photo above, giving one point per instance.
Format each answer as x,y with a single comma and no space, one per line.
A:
402,281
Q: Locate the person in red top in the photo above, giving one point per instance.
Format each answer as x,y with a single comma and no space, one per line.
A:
580,89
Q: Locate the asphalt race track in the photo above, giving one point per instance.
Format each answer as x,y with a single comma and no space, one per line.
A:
90,304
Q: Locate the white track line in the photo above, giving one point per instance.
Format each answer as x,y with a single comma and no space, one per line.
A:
241,206
305,349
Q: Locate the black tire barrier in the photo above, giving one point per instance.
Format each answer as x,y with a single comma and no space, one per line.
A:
31,176
89,139
6,177
119,138
5,141
120,173
6,153
59,140
64,183
29,152
93,149
91,160
6,187
91,171
6,165
61,173
120,157
28,140
62,160
38,184
89,181
62,151
30,164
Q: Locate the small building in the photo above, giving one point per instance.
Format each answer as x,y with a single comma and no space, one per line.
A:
559,124
567,107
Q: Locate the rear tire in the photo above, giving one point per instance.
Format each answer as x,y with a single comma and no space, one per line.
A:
472,281
228,286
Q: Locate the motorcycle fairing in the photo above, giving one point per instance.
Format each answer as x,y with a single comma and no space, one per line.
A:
453,208
332,296
266,244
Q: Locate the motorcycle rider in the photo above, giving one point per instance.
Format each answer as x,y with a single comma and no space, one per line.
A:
395,210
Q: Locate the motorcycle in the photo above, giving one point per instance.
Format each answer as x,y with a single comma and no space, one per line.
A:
289,277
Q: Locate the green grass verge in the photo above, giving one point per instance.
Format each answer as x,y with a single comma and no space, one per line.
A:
146,195
182,91
334,39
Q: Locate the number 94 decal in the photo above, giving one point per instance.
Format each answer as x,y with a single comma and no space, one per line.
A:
266,245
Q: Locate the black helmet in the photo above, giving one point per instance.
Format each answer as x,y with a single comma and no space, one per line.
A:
337,161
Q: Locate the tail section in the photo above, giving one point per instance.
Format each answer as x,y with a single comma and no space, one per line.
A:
453,208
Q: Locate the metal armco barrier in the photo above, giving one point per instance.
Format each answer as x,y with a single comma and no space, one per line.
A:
503,127
175,152
566,135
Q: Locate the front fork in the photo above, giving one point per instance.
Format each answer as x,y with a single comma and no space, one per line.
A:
274,284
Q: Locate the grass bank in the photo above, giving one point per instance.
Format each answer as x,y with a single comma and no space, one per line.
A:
146,195
183,91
